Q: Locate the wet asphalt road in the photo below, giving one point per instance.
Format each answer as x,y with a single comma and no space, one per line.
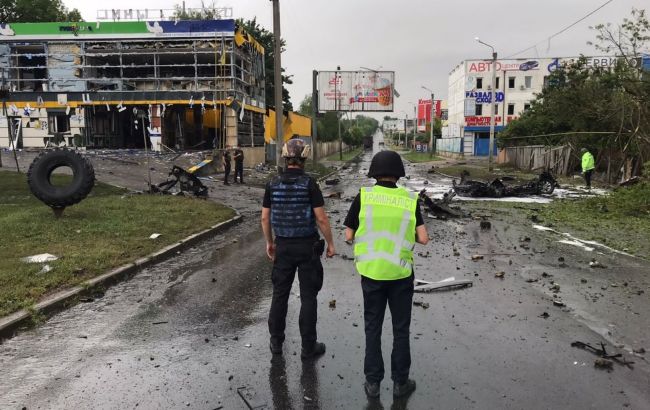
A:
191,332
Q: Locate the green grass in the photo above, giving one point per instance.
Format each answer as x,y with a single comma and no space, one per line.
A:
347,156
620,220
414,156
106,230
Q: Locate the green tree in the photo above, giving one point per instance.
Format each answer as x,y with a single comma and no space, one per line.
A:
594,100
33,11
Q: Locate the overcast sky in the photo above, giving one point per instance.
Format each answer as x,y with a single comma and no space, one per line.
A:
421,40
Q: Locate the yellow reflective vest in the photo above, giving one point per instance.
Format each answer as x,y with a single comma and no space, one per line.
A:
384,242
587,161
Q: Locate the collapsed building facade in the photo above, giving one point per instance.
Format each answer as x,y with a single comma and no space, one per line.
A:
168,84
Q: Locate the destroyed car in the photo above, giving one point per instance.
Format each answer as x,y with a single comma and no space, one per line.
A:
544,184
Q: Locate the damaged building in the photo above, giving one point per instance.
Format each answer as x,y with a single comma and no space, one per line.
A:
168,84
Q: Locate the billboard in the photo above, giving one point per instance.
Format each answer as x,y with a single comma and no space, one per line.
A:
356,90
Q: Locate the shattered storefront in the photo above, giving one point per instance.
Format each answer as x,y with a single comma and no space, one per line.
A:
182,85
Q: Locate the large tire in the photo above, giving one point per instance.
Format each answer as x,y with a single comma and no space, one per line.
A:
40,172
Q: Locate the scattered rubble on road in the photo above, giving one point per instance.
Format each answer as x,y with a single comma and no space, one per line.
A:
423,305
440,207
448,283
602,353
187,183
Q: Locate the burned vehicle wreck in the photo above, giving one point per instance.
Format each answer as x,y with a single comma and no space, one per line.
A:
544,184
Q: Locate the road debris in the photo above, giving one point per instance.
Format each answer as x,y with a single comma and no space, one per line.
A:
500,274
335,195
333,304
40,258
451,282
595,264
602,352
477,257
544,184
334,181
154,235
250,397
558,303
545,315
186,181
423,305
486,225
604,364
441,207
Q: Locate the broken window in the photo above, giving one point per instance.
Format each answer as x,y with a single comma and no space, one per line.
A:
58,122
28,68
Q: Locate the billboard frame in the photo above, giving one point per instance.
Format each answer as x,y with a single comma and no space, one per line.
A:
353,100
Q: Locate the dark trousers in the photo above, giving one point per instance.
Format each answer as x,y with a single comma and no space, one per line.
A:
226,172
239,172
399,296
304,256
588,177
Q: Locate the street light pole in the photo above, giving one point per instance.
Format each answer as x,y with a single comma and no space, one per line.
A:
277,83
432,141
492,102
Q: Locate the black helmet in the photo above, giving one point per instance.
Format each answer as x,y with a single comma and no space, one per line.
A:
386,164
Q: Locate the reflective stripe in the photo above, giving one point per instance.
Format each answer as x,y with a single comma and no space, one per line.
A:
372,256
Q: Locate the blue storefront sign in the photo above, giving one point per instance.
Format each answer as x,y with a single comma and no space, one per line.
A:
484,97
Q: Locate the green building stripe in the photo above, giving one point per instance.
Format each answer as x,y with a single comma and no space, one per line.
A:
82,28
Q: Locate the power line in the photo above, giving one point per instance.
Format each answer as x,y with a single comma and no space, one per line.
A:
548,39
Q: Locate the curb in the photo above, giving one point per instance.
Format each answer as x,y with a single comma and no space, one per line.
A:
65,298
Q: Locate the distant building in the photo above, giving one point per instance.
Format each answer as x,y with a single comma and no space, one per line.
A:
470,95
180,84
424,113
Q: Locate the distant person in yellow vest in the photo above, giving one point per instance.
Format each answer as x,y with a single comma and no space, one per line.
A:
588,166
385,223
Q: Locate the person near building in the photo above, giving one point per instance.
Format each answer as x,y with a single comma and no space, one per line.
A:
226,165
588,166
384,223
293,211
239,165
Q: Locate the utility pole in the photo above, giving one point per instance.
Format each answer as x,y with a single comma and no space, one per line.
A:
337,105
432,140
277,84
314,115
493,101
415,128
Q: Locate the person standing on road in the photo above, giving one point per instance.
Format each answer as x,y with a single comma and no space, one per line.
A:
293,211
385,222
239,165
588,166
226,166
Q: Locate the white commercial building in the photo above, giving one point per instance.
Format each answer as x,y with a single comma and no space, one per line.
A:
470,95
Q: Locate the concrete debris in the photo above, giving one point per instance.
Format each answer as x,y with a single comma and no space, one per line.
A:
46,269
640,350
545,315
336,195
486,225
500,274
333,304
154,236
332,181
555,288
558,303
40,258
595,264
477,257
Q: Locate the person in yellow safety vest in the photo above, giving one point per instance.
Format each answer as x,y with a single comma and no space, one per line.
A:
385,222
588,166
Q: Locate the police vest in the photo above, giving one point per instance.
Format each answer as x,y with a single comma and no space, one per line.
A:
291,211
384,242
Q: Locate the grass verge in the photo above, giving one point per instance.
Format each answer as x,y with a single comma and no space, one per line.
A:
620,220
347,156
106,230
414,156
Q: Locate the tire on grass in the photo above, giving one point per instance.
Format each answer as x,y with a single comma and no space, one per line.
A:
40,173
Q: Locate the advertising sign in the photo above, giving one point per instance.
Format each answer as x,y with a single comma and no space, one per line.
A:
356,90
